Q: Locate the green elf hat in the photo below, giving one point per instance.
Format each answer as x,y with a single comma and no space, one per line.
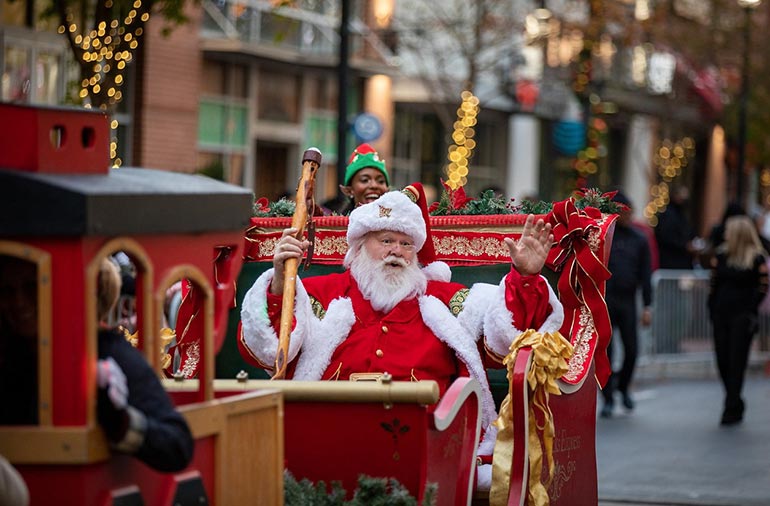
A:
362,157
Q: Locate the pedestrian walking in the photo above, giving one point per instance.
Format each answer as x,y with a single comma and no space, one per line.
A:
676,238
630,266
738,285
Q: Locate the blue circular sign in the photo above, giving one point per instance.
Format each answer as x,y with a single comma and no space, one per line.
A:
367,127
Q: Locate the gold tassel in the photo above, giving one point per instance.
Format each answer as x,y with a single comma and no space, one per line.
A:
550,356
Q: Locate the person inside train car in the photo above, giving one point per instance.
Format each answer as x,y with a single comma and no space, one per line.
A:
18,341
133,408
366,179
393,310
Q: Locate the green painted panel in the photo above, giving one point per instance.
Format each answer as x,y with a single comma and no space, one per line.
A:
222,125
238,120
211,123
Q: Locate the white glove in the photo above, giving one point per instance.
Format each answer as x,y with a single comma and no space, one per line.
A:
484,477
110,376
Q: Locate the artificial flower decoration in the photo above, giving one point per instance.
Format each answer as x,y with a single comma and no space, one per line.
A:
450,202
593,197
261,206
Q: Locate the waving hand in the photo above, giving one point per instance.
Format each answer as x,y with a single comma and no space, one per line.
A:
530,251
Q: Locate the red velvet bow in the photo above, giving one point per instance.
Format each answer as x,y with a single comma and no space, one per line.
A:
583,274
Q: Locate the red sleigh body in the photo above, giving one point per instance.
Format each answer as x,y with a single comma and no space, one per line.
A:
348,439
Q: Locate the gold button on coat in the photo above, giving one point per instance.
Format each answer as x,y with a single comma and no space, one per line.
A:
384,329
379,353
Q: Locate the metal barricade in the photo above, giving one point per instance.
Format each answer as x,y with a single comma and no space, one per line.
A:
680,317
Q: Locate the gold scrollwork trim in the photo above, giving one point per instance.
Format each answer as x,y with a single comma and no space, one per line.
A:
331,245
471,247
581,344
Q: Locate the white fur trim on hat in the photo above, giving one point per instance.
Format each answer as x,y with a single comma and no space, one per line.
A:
393,211
438,271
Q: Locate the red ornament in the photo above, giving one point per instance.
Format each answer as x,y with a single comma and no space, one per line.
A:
526,94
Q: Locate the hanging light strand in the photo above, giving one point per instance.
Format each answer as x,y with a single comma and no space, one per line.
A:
670,158
461,150
107,49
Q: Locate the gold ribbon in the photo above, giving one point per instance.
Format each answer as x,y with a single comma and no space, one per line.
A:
550,356
166,336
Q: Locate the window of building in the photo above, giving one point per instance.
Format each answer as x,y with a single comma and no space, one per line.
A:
35,66
223,129
278,98
223,78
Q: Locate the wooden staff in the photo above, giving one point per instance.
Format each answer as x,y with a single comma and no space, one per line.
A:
303,211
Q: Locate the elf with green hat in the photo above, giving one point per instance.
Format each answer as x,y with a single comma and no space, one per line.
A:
365,177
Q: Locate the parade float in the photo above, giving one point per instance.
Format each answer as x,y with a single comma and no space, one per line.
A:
547,394
70,211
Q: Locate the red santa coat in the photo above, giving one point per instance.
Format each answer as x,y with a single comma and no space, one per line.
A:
434,336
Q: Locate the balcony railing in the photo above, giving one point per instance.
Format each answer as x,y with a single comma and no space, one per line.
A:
300,30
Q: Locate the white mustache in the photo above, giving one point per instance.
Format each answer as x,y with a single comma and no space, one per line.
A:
393,259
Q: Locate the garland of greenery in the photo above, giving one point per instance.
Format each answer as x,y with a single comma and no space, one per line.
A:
370,492
455,202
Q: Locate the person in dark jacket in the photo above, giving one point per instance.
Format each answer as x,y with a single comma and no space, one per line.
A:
738,285
674,233
133,408
629,264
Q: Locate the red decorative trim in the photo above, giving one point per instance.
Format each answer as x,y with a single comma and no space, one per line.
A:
458,240
579,253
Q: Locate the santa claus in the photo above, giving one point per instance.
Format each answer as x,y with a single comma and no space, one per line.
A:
390,313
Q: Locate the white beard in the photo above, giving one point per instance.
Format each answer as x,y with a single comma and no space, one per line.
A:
383,285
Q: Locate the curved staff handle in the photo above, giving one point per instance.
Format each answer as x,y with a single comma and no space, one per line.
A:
311,160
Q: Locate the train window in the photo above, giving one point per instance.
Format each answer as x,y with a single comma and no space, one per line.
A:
170,355
18,341
183,325
125,313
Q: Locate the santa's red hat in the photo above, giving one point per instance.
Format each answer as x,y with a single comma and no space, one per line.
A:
416,194
427,254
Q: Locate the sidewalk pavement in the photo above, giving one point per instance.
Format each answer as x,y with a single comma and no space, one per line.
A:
671,450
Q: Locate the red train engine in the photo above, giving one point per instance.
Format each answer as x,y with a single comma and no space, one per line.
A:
64,211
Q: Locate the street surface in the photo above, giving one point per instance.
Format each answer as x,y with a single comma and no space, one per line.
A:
671,450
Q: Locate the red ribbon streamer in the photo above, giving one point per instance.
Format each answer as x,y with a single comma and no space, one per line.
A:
583,275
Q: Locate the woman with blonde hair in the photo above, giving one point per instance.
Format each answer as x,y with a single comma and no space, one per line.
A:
738,285
135,412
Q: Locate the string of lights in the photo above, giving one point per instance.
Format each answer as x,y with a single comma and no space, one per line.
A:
104,54
461,150
670,158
